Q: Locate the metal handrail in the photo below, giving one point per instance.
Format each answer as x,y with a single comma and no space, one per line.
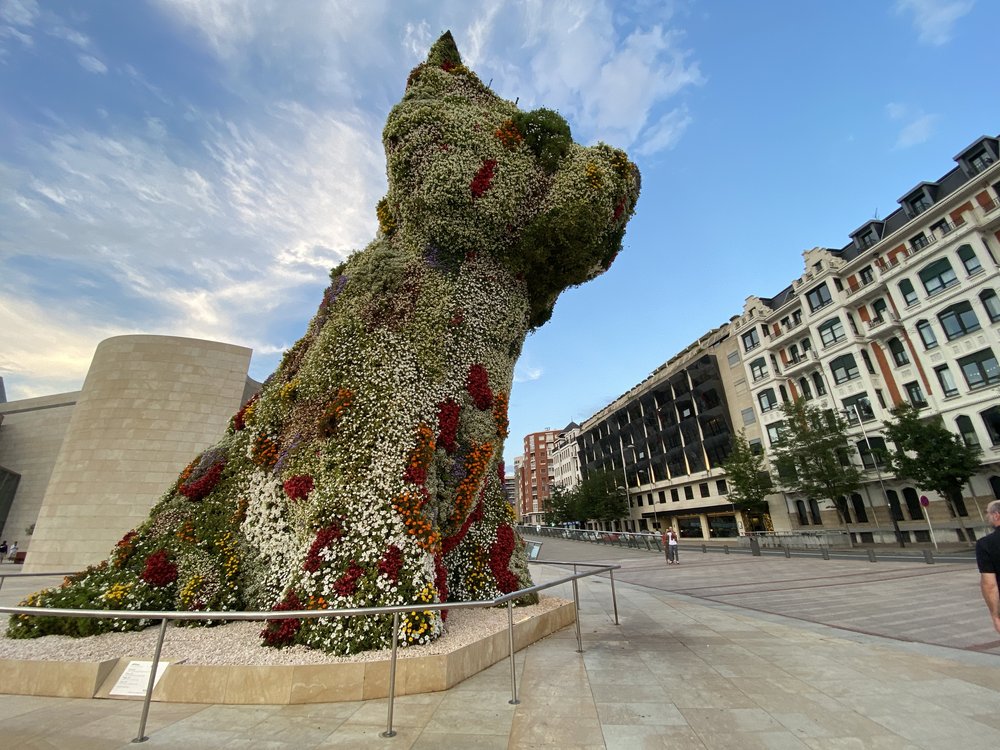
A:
166,616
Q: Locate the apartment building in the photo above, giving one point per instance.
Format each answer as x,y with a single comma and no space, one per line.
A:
566,458
906,311
536,474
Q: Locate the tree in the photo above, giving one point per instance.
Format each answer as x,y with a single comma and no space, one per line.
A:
812,456
749,480
563,507
599,497
931,455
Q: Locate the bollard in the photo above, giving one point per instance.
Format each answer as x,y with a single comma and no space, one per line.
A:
871,555
704,548
754,546
725,548
826,552
788,552
928,557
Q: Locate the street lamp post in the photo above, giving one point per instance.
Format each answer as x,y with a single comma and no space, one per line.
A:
628,499
878,472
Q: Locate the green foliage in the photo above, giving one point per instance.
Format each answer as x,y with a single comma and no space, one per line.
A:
812,455
444,51
547,134
747,475
929,454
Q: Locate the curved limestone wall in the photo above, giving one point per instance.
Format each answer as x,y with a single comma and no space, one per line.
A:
148,406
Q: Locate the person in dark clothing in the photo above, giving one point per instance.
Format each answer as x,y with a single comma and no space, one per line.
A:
988,560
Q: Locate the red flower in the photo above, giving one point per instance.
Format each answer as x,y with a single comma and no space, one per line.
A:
500,552
282,632
298,487
324,538
347,584
448,412
159,570
477,383
391,564
203,485
238,419
483,179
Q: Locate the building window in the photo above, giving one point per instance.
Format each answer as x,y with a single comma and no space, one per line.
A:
912,503
703,489
908,292
991,420
967,431
814,512
662,495
897,512
868,362
915,394
859,508
980,161
756,446
946,380
819,297
938,276
968,257
751,340
844,368
866,275
806,390
674,495
898,352
831,332
800,509
980,369
783,393
774,432
880,307
991,304
926,334
689,492
868,239
880,397
919,241
758,369
734,359
748,416
818,382
958,320
858,406
918,204
721,487
767,400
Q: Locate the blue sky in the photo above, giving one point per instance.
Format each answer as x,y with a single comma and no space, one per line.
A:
194,167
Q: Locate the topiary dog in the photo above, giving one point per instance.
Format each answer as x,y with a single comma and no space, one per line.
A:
367,470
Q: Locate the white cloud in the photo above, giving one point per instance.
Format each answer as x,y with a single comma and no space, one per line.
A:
19,12
935,19
92,65
916,132
525,373
918,126
665,133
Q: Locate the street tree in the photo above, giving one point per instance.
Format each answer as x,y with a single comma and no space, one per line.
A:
813,454
599,497
928,453
747,476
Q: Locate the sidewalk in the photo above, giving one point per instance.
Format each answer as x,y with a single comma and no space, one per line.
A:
683,670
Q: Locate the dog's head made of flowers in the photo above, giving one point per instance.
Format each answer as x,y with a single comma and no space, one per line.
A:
470,173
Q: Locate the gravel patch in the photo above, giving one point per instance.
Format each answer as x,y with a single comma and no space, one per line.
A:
240,643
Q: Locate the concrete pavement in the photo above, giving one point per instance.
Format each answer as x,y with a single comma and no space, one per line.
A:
684,669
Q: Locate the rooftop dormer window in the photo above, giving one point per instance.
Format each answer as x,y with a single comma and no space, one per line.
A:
980,160
917,204
867,239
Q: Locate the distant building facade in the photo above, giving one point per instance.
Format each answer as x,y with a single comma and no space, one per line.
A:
90,464
536,474
566,458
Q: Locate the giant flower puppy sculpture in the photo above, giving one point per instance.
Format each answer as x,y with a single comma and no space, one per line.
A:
367,471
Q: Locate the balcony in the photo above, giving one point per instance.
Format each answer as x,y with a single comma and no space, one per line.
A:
785,330
800,362
990,214
883,326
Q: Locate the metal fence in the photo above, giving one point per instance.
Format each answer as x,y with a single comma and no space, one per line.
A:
165,617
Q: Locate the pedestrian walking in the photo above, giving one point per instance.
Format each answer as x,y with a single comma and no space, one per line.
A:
3,550
12,555
670,543
988,561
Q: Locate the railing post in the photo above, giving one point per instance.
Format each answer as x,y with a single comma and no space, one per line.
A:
392,674
614,598
141,737
510,639
576,604
928,557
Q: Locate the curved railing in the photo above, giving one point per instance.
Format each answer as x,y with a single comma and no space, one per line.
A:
166,617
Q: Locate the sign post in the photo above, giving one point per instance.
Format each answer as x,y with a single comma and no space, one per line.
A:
924,502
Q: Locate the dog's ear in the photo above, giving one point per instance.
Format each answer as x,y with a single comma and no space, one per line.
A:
444,52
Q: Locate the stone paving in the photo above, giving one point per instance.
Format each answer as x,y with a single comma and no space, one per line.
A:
684,669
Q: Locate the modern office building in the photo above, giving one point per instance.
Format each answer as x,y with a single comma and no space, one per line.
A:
536,474
87,466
